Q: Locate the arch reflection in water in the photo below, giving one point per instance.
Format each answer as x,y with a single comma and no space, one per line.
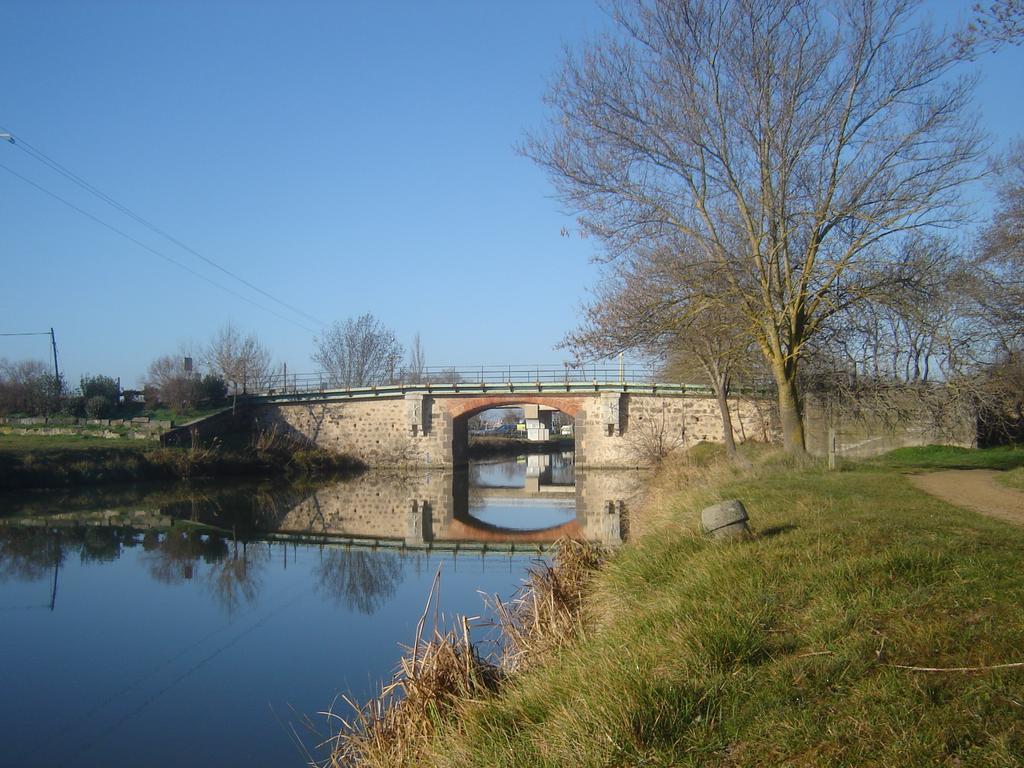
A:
521,503
528,500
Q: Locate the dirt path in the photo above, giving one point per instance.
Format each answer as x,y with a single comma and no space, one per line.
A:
975,489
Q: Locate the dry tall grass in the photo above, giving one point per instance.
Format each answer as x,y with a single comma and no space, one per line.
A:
547,612
446,672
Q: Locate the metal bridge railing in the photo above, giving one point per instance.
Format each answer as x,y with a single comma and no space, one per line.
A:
322,381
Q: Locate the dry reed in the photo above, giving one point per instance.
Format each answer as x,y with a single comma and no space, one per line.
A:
436,676
547,612
439,675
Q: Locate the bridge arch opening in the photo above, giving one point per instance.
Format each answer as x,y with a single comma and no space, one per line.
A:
513,427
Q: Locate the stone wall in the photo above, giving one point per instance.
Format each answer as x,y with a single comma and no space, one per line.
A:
206,428
379,432
862,432
651,425
138,428
611,429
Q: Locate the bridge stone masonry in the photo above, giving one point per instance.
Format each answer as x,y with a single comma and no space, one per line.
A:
616,424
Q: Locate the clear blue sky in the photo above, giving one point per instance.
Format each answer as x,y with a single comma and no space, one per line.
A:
347,157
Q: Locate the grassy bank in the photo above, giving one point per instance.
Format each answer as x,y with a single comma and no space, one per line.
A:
13,444
809,644
63,461
1013,479
951,457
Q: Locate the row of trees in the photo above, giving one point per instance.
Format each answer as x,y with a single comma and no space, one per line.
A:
355,352
231,363
777,188
30,387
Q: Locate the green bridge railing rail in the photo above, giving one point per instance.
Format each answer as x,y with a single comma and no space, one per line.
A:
482,379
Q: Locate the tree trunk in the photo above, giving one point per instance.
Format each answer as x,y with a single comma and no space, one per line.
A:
790,410
716,367
723,408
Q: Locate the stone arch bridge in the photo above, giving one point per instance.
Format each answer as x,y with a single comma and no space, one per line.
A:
616,423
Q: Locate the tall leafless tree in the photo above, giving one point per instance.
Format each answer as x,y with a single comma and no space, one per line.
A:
781,146
359,352
712,346
1000,261
417,367
240,359
177,386
358,579
637,309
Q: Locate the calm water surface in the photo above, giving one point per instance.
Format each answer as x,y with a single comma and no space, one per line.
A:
210,626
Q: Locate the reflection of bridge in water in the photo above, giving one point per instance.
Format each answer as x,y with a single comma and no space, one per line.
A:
436,509
525,503
537,473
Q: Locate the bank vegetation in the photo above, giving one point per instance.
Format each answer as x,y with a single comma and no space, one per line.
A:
778,193
48,462
862,623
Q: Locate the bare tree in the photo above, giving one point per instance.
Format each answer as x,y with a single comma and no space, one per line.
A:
999,284
779,146
651,440
28,386
921,327
241,360
712,345
178,387
235,580
359,352
417,367
994,25
637,309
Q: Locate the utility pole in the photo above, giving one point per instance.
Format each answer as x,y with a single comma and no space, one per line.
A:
53,341
56,370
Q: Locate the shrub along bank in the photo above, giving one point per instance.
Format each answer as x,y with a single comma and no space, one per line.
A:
38,463
863,623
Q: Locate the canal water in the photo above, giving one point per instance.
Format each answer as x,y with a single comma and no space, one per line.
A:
215,624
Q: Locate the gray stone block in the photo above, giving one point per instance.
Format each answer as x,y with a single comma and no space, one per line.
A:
725,520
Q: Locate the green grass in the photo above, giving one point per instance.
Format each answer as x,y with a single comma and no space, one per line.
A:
24,443
952,457
779,650
65,461
166,414
1013,479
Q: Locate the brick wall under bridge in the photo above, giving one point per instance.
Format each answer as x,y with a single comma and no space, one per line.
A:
612,428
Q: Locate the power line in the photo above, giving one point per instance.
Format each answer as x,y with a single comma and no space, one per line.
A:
40,156
53,343
154,251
